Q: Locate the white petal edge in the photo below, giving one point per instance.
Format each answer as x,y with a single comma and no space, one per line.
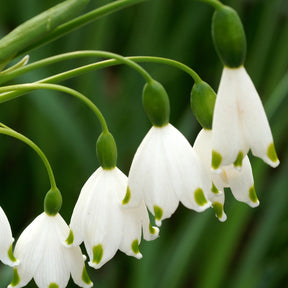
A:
227,137
255,124
6,240
242,183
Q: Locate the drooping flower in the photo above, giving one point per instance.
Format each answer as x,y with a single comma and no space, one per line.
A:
6,240
240,182
240,122
43,256
164,171
100,220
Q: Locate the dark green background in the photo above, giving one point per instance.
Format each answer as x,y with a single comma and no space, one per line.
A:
194,250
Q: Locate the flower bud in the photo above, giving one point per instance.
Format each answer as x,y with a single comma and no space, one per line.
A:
106,150
202,103
229,37
52,202
156,103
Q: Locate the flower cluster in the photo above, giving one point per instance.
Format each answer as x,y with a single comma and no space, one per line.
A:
111,213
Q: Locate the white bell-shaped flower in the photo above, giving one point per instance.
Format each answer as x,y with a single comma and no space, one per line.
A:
164,171
100,220
241,182
44,256
6,240
240,122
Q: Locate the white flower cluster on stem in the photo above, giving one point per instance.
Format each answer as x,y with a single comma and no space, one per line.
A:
111,212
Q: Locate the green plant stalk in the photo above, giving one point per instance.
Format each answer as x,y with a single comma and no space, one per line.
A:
278,96
71,55
81,21
36,86
33,29
9,75
10,132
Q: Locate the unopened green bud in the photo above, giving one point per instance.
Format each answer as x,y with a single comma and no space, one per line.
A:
156,103
202,103
52,202
106,150
229,37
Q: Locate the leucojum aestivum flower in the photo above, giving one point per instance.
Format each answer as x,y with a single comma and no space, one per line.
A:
113,210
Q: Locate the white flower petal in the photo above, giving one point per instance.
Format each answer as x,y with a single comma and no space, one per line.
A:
80,212
79,274
139,167
28,250
149,232
218,200
189,176
6,240
136,219
254,120
242,183
203,147
103,225
52,268
150,174
227,139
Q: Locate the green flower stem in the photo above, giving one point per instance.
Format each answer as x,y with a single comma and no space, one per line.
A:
81,21
10,132
5,76
215,3
36,86
108,63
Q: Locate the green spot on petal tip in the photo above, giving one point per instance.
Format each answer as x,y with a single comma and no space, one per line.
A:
97,253
135,246
16,279
85,276
11,255
70,238
271,153
252,195
127,196
158,212
214,189
239,159
218,208
200,197
53,285
216,160
151,229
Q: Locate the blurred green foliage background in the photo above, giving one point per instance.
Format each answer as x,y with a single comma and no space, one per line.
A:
194,250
